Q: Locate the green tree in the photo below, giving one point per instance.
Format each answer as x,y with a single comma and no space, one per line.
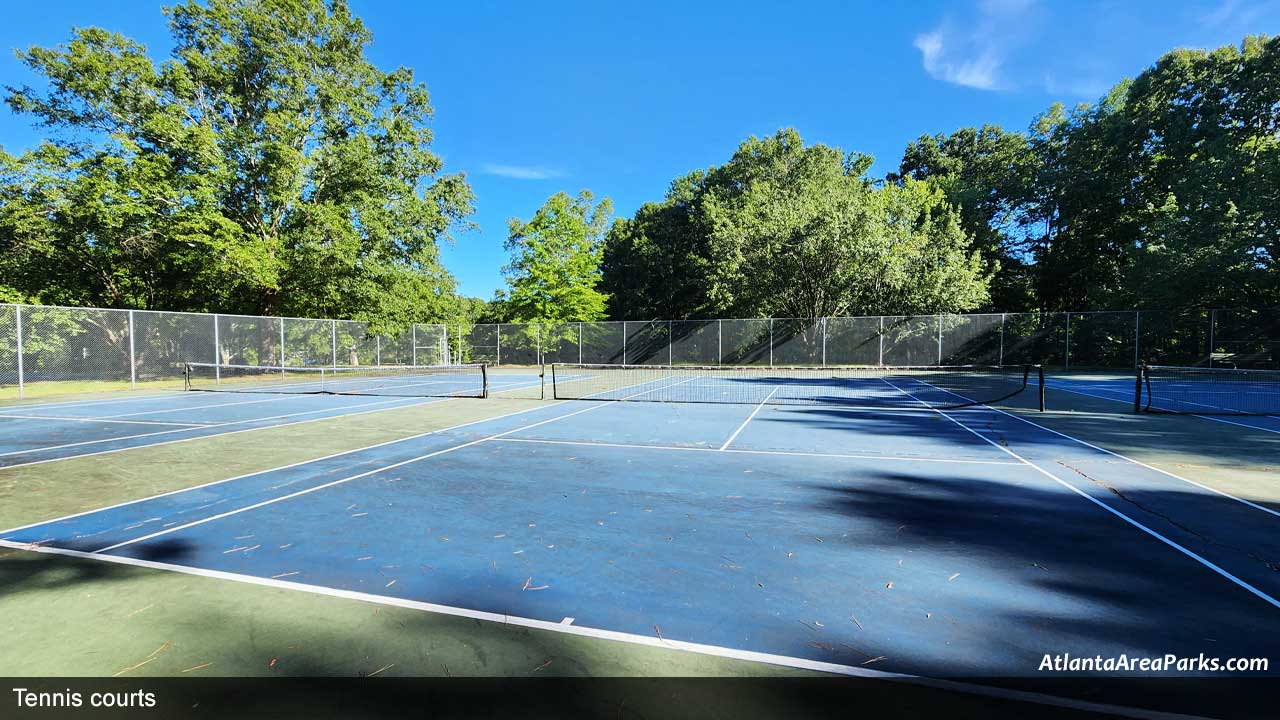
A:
554,271
985,172
266,167
784,230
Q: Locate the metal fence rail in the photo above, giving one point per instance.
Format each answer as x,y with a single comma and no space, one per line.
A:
91,347
1079,340
94,346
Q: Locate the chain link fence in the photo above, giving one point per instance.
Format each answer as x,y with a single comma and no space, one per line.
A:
1081,341
88,348
69,349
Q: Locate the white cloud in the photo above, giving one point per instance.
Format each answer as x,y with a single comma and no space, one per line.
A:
975,55
979,72
520,172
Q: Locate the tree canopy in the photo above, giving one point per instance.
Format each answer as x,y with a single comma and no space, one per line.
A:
266,167
555,261
786,230
1162,194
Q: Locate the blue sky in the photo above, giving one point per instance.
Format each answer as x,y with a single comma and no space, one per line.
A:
620,98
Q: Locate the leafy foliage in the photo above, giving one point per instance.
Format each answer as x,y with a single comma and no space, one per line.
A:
785,230
555,261
267,168
1163,194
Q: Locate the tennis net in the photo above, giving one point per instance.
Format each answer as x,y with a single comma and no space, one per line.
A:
1207,391
915,388
395,380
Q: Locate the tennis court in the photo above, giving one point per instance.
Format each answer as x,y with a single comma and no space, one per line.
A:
923,521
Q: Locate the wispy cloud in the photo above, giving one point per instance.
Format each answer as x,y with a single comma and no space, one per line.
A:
972,53
520,172
1238,13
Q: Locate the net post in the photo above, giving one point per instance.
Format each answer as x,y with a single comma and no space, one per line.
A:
555,395
484,380
1066,358
1137,390
333,340
21,383
133,360
186,377
217,351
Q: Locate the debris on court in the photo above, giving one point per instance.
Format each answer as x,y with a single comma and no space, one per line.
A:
154,654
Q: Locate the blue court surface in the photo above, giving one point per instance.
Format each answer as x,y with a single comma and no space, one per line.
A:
960,543
1203,400
44,432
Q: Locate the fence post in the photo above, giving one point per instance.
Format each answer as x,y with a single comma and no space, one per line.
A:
670,356
333,340
624,342
133,362
1137,338
939,339
217,351
1066,359
824,342
1000,361
880,357
283,355
537,343
579,343
770,342
413,354
1212,325
497,356
377,350
18,308
719,342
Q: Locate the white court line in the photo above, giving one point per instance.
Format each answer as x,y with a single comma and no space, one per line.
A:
166,395
786,453
64,418
405,404
274,469
734,436
166,432
196,408
617,636
1203,561
1129,401
367,473
1153,468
